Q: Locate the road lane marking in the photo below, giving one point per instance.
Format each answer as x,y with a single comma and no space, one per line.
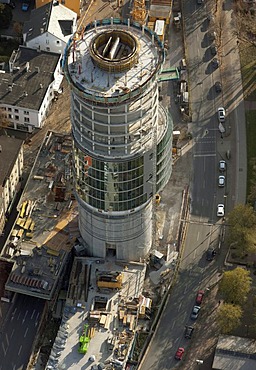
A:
34,311
26,332
197,238
20,350
179,306
194,254
173,323
205,155
12,333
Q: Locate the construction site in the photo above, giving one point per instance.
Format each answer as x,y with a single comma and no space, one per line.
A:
104,309
46,227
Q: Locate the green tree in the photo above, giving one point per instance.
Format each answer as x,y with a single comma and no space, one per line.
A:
229,317
235,285
242,228
5,16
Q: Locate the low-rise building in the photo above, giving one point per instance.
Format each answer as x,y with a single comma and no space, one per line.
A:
11,168
49,28
27,90
235,353
74,5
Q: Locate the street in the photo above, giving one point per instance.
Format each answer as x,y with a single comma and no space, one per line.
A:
19,332
209,147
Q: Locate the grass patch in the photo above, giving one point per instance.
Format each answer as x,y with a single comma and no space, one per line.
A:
248,69
6,48
251,148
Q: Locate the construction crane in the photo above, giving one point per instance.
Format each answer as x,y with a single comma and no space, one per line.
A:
139,11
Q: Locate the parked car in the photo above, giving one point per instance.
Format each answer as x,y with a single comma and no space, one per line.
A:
195,312
210,254
213,49
25,6
221,114
179,353
12,4
188,332
220,210
222,166
221,181
218,86
199,297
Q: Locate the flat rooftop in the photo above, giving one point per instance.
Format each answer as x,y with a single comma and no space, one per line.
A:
235,353
47,226
111,314
89,77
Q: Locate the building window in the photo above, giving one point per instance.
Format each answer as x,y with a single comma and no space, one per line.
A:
9,109
16,110
10,116
57,42
47,42
17,118
47,49
26,119
63,2
26,112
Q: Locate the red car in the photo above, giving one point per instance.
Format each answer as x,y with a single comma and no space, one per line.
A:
199,296
179,353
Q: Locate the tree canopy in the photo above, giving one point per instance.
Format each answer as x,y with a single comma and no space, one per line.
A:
242,228
5,16
235,285
229,317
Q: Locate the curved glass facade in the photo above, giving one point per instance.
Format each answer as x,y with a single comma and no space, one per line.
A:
122,147
109,186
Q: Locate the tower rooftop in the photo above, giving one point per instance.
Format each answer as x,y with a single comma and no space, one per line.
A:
109,60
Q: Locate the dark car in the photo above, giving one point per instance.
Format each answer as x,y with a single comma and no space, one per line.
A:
179,353
210,254
218,86
195,312
213,49
199,297
188,332
12,4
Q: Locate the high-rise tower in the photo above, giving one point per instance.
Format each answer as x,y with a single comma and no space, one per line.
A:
122,135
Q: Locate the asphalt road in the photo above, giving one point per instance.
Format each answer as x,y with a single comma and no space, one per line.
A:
19,332
209,147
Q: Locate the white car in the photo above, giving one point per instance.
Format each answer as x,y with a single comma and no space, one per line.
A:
220,210
221,114
221,181
222,166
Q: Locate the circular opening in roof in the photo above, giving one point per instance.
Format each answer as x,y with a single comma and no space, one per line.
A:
114,50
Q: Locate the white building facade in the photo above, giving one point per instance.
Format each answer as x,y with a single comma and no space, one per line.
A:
11,169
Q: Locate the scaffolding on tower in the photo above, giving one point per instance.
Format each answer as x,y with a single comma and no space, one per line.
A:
139,11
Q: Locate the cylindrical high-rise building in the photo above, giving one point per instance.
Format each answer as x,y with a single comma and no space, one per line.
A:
122,135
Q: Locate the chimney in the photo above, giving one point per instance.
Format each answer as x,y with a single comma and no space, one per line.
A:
27,66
